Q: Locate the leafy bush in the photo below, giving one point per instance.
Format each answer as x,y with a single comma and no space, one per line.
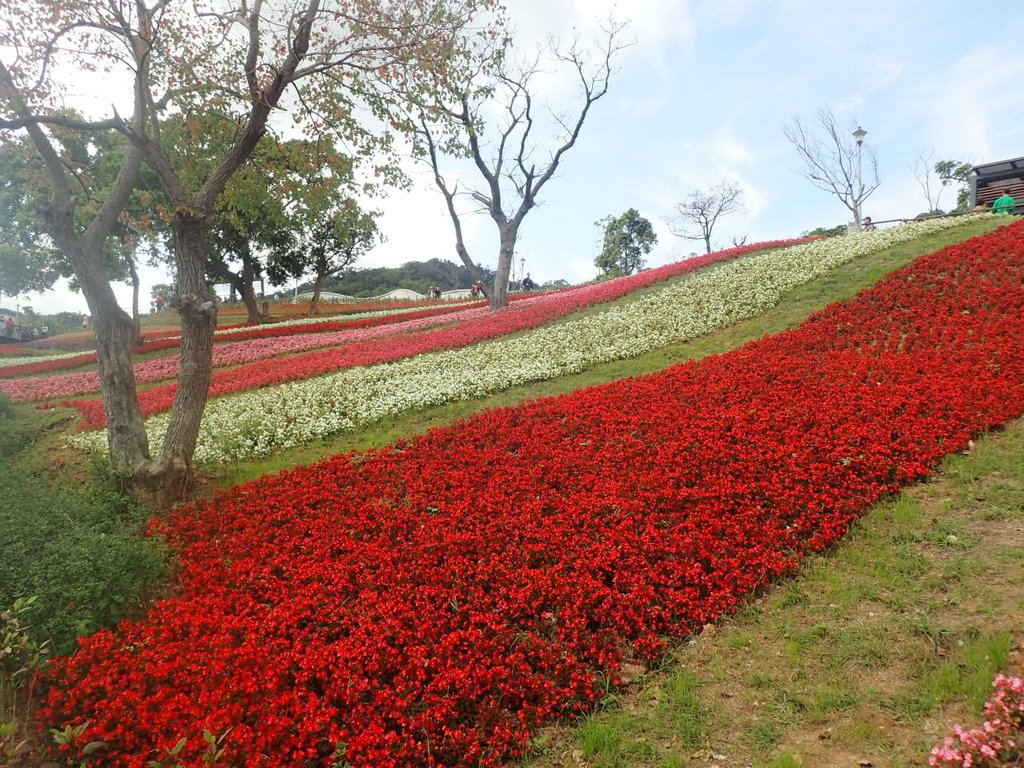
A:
12,437
20,657
79,552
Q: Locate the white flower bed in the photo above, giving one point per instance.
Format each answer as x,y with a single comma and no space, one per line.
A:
260,422
343,318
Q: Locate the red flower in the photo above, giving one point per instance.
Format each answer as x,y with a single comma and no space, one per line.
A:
431,603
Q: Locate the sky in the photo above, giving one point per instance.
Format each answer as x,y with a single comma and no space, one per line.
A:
702,97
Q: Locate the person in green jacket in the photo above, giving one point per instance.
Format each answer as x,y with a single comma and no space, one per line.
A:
1004,204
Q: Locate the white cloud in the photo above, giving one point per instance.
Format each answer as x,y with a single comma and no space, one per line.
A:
850,104
974,104
729,152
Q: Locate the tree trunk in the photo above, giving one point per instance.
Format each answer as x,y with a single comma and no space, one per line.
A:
251,307
242,284
707,242
167,479
240,287
115,337
318,283
248,289
509,232
135,297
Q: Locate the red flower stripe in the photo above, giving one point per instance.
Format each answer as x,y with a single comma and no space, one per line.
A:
10,349
527,313
44,387
155,344
433,602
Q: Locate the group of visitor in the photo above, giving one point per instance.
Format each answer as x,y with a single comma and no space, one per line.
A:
17,332
1004,204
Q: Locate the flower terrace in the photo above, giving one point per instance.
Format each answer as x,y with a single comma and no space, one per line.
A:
436,601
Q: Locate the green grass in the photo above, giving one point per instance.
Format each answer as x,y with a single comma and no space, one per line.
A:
875,649
616,737
17,428
73,546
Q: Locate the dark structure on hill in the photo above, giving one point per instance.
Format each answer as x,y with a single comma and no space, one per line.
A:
991,180
414,275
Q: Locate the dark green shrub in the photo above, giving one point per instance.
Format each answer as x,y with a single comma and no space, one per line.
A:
78,550
12,435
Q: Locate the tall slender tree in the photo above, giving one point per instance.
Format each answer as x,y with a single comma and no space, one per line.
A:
923,167
327,247
956,172
493,118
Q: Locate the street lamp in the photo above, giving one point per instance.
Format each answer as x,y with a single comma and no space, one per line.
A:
859,135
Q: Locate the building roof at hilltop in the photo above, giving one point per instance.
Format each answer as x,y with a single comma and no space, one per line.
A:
990,180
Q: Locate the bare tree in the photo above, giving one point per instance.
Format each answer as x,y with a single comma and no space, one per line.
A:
834,162
923,169
507,164
697,215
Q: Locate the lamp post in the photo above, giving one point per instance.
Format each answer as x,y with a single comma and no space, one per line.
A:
859,135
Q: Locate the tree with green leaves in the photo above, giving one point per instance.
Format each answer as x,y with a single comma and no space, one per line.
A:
627,239
328,247
163,62
838,229
29,258
954,172
160,297
286,188
414,275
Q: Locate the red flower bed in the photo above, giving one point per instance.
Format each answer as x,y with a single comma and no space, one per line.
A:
247,331
300,309
157,343
431,603
45,366
533,313
10,349
231,352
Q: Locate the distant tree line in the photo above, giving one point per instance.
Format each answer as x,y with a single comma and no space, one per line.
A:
415,275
